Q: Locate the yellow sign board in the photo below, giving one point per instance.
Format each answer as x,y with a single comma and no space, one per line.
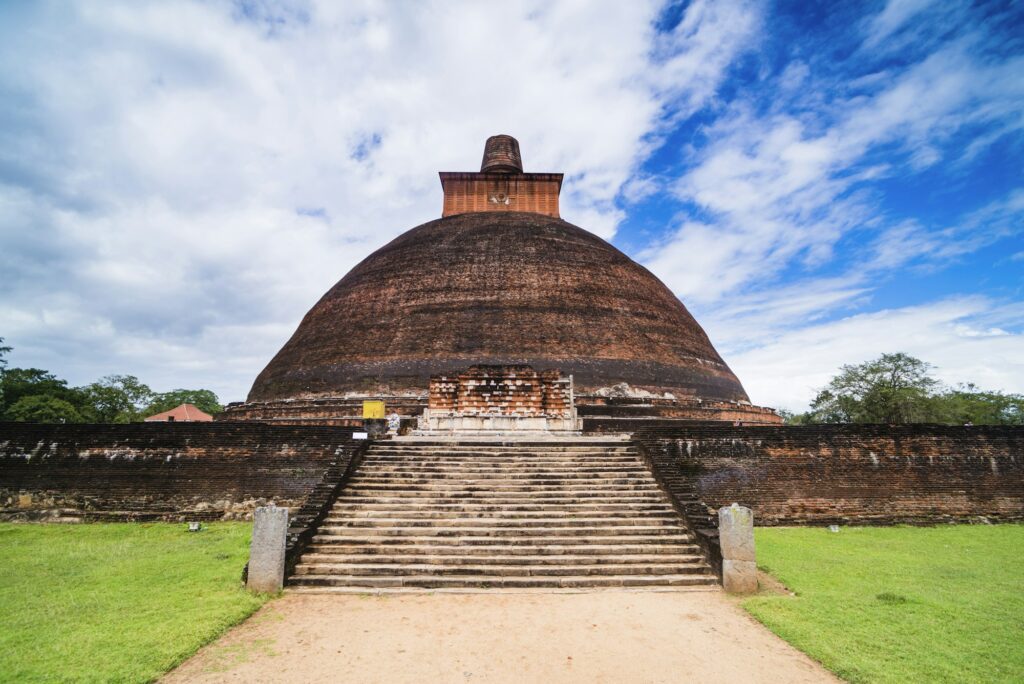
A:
373,409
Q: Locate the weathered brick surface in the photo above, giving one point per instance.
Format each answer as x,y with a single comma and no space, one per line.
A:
867,474
501,391
627,414
499,289
501,154
338,411
536,193
167,471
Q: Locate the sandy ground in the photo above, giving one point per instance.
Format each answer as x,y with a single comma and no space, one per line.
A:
606,636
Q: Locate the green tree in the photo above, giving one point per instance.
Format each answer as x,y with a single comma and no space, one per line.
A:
118,398
18,383
968,404
203,399
894,388
4,351
791,418
42,408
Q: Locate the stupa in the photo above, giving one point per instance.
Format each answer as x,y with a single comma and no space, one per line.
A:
500,280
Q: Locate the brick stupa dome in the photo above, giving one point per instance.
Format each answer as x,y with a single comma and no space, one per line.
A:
501,288
499,279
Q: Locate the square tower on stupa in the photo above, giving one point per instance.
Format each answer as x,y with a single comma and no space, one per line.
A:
501,184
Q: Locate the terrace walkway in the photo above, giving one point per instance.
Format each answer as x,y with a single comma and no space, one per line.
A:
620,636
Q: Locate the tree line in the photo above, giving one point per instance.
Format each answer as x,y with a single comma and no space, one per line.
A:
35,395
894,388
898,388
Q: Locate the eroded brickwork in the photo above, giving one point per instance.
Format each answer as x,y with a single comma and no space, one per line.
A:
340,411
161,471
865,474
502,391
504,289
627,414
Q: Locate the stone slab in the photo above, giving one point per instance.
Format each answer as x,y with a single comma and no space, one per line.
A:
736,532
739,576
266,553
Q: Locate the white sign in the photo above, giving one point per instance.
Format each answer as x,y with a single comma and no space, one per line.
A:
360,435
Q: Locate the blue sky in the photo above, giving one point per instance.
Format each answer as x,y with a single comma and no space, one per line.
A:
819,182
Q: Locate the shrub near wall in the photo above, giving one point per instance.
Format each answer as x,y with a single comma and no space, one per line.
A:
165,471
846,473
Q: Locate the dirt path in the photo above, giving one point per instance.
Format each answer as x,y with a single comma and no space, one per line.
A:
607,636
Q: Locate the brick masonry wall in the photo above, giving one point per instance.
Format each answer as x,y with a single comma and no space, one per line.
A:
683,408
338,411
501,391
164,471
864,474
536,193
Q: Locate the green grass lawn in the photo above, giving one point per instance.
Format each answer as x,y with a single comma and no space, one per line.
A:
118,602
903,604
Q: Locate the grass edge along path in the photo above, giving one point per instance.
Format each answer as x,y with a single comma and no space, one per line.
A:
899,604
118,602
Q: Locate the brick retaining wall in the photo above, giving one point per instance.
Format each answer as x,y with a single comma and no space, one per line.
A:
163,471
788,475
865,474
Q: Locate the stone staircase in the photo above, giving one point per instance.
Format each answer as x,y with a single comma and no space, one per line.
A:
433,515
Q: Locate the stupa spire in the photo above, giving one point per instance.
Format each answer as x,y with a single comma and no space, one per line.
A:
500,184
501,155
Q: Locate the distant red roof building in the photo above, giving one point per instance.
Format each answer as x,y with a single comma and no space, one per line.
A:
181,414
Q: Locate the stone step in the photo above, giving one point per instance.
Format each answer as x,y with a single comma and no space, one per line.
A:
485,456
442,547
497,512
473,539
502,449
516,464
581,458
403,505
518,441
491,581
441,461
500,446
567,452
513,471
513,474
487,472
501,516
488,522
398,591
529,531
476,470
568,505
565,489
392,558
498,480
501,467
485,496
515,570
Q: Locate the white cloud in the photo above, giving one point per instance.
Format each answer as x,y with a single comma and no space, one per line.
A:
778,191
179,182
956,335
789,235
782,189
894,16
